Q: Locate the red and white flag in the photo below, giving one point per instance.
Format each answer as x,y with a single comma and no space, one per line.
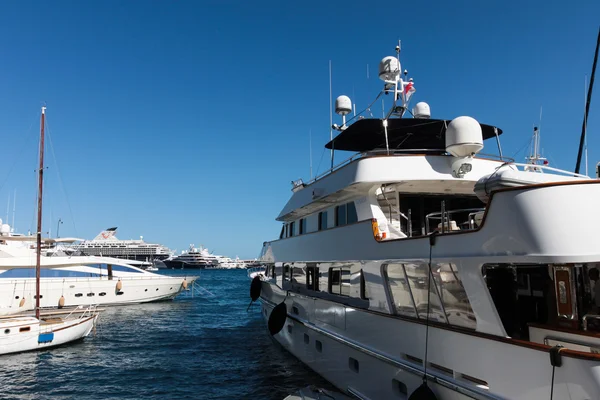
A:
409,89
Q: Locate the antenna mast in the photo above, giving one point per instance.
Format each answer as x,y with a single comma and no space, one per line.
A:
14,209
310,151
330,115
587,104
39,216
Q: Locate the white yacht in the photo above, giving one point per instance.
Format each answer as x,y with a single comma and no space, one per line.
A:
194,258
75,280
422,267
108,245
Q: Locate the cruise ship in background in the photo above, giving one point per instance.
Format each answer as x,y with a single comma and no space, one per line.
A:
108,245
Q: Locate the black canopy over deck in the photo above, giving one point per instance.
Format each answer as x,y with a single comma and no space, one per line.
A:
403,134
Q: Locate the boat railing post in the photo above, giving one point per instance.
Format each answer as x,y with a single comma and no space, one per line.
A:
443,215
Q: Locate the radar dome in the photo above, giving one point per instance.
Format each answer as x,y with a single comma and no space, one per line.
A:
343,105
421,110
4,229
389,69
464,137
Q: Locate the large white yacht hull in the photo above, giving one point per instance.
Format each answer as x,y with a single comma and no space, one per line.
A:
378,355
92,291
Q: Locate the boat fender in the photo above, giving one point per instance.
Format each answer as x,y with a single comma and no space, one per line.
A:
119,285
555,357
184,284
61,302
22,302
277,318
423,392
255,288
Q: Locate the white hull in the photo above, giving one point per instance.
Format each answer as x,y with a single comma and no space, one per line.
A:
93,291
389,349
390,357
21,334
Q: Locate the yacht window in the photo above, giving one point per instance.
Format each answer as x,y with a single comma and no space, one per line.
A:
418,279
323,280
282,232
302,226
286,272
312,272
363,286
322,220
454,298
399,290
287,230
339,281
352,217
292,228
340,215
299,276
531,294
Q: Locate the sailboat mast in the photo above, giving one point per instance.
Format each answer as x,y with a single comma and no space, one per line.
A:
39,217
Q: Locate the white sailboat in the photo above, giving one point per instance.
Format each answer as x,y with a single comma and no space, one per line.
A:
422,269
26,333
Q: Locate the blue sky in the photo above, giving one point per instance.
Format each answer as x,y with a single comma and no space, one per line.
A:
186,121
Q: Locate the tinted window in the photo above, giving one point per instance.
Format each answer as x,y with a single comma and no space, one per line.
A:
299,276
322,220
455,300
303,226
340,215
399,290
352,217
292,226
418,280
339,279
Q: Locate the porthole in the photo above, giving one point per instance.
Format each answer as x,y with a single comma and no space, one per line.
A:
78,294
25,329
41,296
171,288
353,364
119,293
17,297
157,289
399,388
91,294
145,290
7,331
102,294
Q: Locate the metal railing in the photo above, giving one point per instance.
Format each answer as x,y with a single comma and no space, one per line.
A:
396,153
445,217
541,168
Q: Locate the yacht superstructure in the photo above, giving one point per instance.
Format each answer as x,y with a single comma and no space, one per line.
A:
421,265
108,245
201,258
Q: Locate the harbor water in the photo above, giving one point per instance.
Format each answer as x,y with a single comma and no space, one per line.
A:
205,347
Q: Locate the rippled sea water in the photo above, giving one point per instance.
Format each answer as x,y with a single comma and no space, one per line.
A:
206,347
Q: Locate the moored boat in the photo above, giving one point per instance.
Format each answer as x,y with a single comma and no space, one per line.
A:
419,267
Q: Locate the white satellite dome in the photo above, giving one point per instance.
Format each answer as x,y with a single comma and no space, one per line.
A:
343,105
464,137
389,69
421,110
4,229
